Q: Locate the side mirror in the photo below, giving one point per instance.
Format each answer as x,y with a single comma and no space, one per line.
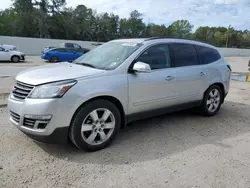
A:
141,67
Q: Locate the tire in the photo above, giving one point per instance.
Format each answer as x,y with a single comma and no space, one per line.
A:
91,136
54,59
15,59
212,101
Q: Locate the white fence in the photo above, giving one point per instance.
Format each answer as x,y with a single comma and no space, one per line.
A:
235,52
33,46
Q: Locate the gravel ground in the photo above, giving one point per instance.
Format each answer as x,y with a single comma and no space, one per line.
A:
175,150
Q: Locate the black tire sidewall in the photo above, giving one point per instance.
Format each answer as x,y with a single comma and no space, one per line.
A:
75,129
204,103
12,59
53,58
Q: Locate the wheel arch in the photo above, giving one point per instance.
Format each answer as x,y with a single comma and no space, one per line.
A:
53,55
14,56
222,88
110,99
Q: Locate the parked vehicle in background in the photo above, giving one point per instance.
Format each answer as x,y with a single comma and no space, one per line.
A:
60,54
90,99
48,48
11,55
78,47
97,44
8,47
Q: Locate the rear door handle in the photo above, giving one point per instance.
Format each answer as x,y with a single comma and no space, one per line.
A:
202,73
169,78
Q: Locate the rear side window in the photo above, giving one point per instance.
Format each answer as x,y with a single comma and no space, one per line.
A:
61,50
183,55
70,50
207,55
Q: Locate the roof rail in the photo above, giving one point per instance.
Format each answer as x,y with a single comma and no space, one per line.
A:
165,37
153,38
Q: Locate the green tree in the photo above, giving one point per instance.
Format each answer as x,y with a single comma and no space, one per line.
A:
180,29
133,26
51,19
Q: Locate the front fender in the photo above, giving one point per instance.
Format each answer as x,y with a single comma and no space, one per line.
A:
87,89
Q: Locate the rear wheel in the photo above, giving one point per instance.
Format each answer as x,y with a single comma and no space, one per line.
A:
54,59
212,101
15,59
95,125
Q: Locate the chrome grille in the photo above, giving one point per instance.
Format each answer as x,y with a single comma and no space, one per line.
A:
22,90
15,116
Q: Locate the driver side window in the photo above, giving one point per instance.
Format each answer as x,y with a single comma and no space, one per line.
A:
156,56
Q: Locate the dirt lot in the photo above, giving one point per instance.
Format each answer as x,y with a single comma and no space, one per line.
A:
176,150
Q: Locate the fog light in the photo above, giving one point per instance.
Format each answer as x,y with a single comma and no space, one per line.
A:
39,117
42,125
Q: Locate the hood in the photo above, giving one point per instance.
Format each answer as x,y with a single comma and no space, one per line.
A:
55,72
16,52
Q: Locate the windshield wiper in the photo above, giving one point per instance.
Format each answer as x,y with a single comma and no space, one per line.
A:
86,64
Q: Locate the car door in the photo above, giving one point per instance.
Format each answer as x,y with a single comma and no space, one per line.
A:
148,91
4,55
71,54
188,73
77,53
65,54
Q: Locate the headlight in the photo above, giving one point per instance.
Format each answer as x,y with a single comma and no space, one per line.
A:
52,90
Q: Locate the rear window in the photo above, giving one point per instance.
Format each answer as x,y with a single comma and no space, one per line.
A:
207,55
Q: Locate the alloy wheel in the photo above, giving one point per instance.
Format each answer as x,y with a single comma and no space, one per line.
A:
213,100
98,126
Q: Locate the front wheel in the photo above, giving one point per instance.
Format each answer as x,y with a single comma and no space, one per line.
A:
212,101
15,59
95,125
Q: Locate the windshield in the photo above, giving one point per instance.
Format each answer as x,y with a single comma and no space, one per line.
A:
109,55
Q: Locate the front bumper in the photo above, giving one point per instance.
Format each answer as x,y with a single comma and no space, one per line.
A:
58,136
53,130
22,57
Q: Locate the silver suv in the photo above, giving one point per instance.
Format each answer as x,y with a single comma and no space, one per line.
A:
90,99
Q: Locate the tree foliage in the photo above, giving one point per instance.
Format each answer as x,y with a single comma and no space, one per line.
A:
52,19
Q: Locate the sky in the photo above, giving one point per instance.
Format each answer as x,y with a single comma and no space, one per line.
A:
198,12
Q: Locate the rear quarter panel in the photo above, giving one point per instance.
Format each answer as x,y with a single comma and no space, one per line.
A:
218,72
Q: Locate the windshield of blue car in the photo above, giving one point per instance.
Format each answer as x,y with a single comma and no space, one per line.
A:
109,55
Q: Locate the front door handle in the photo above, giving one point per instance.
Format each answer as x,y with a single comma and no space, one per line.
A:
169,78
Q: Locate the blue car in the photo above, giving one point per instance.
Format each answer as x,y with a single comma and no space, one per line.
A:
61,54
